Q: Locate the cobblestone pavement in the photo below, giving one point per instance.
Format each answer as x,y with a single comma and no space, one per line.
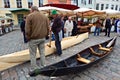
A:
12,42
107,69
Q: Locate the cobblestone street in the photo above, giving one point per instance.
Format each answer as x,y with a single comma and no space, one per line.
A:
107,69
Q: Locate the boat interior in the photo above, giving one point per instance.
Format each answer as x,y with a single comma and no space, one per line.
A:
87,56
84,57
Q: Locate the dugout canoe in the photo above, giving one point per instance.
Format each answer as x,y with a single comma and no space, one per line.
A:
77,62
10,60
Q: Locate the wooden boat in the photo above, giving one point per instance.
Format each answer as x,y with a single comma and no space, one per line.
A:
77,62
10,60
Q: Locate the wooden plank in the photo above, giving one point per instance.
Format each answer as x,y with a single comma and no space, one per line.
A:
105,49
83,60
16,58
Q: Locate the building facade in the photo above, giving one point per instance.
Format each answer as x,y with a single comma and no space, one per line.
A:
85,3
17,9
59,1
107,4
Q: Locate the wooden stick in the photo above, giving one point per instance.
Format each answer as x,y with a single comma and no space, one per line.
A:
49,45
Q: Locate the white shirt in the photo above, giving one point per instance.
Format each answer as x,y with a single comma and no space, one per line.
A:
68,25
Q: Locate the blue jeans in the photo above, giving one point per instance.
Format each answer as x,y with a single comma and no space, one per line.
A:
58,44
97,30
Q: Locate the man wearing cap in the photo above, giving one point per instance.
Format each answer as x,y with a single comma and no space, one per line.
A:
57,30
36,29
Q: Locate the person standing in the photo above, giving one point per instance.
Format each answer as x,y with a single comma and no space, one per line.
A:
57,30
36,29
68,27
22,27
74,30
97,28
118,27
3,26
108,26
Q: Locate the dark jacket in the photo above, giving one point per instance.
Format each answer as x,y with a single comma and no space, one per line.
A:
22,26
57,25
108,23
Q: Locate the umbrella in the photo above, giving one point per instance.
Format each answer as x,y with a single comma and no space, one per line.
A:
47,9
88,12
64,6
112,13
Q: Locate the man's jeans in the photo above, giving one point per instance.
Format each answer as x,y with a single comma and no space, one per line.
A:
97,30
58,38
33,45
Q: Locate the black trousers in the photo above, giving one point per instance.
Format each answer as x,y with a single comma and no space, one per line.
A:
107,31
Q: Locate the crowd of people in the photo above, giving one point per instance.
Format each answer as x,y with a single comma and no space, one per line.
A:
36,27
5,28
107,24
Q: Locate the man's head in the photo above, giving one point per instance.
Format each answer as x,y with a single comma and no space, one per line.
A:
34,8
69,18
54,13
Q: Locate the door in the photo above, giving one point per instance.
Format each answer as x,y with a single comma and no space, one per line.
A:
20,18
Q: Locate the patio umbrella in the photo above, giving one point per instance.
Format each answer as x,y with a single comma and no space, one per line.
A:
64,6
112,13
88,12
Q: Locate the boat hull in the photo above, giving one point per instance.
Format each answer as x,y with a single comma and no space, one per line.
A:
72,66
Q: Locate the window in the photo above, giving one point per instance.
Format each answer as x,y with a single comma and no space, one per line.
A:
97,6
116,7
90,2
74,2
112,6
102,6
19,3
8,14
6,4
30,3
40,3
107,5
83,2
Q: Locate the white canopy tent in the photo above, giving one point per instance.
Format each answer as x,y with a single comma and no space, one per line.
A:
110,11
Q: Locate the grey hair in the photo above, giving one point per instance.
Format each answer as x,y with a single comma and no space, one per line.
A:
34,8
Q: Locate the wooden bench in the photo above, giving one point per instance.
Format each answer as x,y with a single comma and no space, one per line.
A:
81,59
105,49
95,53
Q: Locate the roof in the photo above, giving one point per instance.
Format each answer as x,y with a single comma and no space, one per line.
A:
64,6
19,9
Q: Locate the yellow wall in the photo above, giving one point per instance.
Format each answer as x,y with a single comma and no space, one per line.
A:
3,12
13,5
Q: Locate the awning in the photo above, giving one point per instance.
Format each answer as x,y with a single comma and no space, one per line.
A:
64,6
19,9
